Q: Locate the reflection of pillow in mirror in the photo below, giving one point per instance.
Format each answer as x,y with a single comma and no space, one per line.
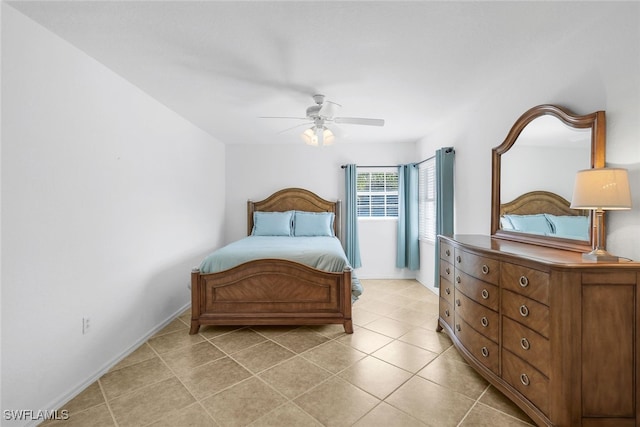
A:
505,223
573,227
537,224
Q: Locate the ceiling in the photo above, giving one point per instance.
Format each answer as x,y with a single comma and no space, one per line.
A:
224,65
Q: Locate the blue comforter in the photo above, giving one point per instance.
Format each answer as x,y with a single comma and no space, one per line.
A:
320,252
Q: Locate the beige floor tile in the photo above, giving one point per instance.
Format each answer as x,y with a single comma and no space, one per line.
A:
331,331
150,403
89,397
237,340
389,327
295,376
365,340
492,397
173,341
130,378
405,356
262,356
142,353
376,306
334,356
187,358
452,353
456,376
484,416
385,415
287,415
398,300
175,325
429,307
411,317
430,403
209,331
375,376
96,416
213,377
300,340
243,403
193,415
336,402
362,317
427,339
272,331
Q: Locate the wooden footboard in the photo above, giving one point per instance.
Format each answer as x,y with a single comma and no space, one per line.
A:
271,292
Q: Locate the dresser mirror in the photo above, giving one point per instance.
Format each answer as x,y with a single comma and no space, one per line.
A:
533,175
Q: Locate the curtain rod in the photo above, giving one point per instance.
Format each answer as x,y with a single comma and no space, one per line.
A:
392,166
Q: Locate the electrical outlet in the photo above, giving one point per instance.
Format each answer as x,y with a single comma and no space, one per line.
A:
85,325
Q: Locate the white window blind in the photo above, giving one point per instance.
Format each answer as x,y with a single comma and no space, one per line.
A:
377,192
427,199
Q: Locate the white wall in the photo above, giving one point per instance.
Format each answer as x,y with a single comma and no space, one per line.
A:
256,171
595,67
108,199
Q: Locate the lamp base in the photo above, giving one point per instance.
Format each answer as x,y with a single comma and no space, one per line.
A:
599,255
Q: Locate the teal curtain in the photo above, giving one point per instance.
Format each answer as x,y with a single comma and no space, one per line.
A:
444,200
408,250
352,247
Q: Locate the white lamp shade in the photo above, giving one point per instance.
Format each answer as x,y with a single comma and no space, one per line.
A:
318,136
601,188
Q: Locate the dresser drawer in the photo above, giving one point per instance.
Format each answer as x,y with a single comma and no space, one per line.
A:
526,344
481,292
446,270
446,290
526,379
446,312
446,252
482,348
486,269
526,281
526,311
479,317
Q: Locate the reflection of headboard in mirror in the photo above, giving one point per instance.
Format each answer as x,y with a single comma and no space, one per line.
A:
548,209
547,171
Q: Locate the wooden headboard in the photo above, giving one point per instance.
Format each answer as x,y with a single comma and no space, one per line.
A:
536,202
290,199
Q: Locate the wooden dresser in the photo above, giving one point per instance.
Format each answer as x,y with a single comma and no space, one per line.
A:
556,335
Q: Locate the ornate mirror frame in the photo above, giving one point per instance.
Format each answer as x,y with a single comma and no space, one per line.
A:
594,121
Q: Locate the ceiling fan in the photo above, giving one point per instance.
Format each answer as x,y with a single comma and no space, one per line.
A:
321,115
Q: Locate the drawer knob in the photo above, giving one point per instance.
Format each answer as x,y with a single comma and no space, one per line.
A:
459,258
458,279
484,294
524,310
484,321
446,312
447,291
448,271
485,351
458,328
524,343
485,269
458,302
524,379
524,282
448,252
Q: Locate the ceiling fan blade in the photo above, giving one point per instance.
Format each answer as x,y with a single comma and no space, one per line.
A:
280,117
329,109
296,126
359,121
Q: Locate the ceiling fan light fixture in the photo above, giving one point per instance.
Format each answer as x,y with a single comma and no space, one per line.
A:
318,135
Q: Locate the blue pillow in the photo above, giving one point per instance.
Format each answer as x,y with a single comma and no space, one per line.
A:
535,224
505,223
313,223
272,223
572,227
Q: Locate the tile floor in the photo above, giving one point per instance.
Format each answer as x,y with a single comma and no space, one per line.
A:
395,370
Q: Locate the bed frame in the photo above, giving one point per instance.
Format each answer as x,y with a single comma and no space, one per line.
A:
274,291
536,202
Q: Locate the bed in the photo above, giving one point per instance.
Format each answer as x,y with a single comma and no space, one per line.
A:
277,289
545,213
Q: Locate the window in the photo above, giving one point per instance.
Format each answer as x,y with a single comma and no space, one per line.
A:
427,199
377,193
